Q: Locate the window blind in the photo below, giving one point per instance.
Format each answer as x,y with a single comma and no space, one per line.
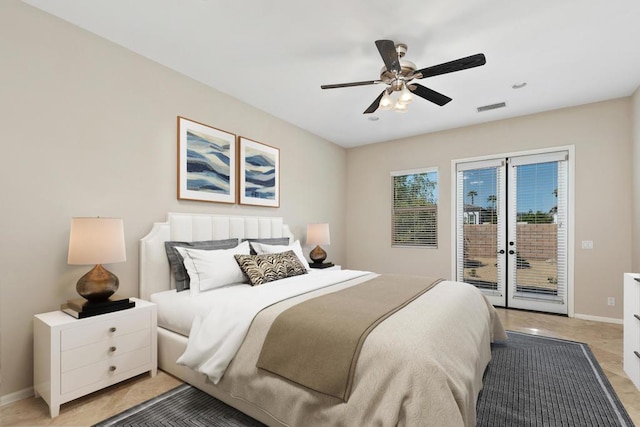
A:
415,208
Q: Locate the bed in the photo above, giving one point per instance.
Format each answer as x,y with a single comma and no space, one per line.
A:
422,366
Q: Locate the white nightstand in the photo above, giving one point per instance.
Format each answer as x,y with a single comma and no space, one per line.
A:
75,357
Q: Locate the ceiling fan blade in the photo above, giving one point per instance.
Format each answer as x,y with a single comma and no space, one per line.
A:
374,105
337,85
387,49
429,94
449,67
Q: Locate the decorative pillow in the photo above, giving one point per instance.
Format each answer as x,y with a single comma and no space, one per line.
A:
269,241
262,248
177,263
261,269
211,269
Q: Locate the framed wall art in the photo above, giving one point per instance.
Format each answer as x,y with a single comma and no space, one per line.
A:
259,174
206,163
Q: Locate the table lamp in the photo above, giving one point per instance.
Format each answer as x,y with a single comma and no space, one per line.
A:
97,241
318,234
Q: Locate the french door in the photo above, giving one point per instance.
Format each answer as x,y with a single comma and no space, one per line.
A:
512,230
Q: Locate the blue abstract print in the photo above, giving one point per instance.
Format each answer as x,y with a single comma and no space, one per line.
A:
207,163
260,174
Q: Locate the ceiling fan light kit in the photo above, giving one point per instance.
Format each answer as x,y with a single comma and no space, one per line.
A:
398,74
400,107
405,95
386,102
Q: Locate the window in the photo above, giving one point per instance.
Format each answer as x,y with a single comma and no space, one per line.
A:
415,208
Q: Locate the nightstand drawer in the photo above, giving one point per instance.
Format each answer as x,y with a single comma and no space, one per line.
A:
103,350
101,330
104,371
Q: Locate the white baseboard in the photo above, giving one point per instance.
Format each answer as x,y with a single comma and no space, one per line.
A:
598,318
14,397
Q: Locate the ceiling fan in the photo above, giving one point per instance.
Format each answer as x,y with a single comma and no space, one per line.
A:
398,74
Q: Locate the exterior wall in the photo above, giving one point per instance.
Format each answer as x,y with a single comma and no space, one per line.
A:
535,241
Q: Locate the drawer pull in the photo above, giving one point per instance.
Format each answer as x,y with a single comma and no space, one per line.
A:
637,354
112,368
637,316
112,349
112,329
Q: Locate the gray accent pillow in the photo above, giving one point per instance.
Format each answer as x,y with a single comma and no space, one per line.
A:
283,241
261,269
176,262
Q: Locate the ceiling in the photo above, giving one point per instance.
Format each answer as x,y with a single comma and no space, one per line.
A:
274,55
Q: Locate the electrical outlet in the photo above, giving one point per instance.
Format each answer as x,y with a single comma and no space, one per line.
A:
611,301
587,244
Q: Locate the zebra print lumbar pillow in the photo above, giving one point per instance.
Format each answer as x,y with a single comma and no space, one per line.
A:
266,268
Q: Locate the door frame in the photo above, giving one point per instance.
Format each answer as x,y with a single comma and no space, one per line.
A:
570,209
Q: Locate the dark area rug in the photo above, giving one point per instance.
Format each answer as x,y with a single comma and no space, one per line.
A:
183,406
540,381
530,381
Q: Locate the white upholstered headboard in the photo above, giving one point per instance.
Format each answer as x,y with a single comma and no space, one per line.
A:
155,275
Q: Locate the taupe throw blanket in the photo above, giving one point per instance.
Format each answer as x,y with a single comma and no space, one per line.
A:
317,342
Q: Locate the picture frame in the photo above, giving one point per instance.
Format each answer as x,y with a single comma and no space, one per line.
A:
258,173
206,163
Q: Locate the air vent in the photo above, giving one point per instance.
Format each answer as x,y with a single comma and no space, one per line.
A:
492,107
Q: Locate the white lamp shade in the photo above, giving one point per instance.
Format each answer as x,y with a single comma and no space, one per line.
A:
96,241
405,95
400,107
386,103
318,234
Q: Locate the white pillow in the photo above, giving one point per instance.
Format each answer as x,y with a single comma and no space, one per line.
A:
262,248
213,269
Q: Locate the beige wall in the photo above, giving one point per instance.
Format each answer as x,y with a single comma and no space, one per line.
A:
601,134
635,112
89,128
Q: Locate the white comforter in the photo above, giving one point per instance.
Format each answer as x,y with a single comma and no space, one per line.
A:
216,335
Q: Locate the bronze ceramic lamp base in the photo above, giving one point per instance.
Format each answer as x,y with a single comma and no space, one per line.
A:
318,255
318,234
98,284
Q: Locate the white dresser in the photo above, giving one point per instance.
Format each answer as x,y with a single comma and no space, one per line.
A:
74,357
632,327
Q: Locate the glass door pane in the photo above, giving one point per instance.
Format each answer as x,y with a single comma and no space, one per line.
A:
480,229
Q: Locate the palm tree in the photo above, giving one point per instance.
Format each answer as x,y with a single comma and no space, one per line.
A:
492,199
472,194
494,217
